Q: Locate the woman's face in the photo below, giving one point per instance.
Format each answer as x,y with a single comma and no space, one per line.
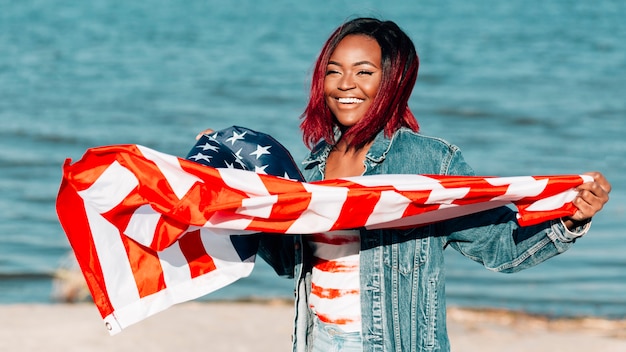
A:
353,76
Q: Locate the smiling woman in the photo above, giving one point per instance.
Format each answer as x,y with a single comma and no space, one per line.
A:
384,289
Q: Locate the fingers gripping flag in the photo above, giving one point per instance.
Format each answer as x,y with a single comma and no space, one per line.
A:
151,230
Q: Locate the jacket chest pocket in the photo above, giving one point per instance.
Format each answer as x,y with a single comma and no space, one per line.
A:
405,250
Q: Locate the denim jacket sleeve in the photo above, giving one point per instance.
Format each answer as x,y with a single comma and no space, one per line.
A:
494,238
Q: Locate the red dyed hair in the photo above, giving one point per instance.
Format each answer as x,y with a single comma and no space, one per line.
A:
389,110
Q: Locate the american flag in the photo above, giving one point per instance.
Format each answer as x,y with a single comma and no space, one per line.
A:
150,230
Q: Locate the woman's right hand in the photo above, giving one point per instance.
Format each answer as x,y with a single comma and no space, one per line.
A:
207,131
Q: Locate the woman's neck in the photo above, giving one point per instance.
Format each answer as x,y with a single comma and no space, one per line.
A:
344,161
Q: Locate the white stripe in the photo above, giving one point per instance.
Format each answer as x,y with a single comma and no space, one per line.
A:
179,180
174,265
245,181
180,287
250,183
444,212
340,280
337,304
113,185
502,181
519,187
390,206
400,182
554,202
116,270
258,206
221,249
322,211
587,178
140,309
446,195
143,224
226,222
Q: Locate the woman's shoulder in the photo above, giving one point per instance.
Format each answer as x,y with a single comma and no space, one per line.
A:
405,136
413,152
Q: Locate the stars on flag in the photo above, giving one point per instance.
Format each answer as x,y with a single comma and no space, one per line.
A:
208,146
236,137
241,148
261,151
201,156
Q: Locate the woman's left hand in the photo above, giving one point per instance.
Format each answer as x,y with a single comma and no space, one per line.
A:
590,200
207,131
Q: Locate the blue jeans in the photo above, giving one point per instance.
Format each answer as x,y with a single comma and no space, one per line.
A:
330,338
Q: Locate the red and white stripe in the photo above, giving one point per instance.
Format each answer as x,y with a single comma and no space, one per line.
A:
335,283
149,229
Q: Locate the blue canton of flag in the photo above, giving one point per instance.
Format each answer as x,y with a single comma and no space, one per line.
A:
242,148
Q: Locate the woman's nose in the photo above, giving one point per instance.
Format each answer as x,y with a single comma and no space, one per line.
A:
346,82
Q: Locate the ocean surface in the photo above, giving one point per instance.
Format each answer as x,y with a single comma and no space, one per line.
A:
523,87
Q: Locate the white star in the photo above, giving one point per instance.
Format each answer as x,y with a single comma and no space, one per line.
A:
260,169
235,137
238,154
199,156
286,177
229,165
208,146
261,151
239,160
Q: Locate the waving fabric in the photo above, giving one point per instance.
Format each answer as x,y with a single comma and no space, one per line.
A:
151,230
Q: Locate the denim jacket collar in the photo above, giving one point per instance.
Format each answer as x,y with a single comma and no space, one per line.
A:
376,154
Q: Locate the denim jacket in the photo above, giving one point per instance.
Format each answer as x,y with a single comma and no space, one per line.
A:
402,271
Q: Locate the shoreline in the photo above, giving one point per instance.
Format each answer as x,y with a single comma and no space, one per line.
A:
266,325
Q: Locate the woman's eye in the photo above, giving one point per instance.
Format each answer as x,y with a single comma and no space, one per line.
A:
368,73
330,72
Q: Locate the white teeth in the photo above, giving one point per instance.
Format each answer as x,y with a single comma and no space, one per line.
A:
350,100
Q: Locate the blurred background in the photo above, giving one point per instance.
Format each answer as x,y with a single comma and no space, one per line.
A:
523,87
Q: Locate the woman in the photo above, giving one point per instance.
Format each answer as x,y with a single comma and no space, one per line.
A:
358,110
383,290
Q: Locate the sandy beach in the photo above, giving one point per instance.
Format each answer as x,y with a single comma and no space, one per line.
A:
266,326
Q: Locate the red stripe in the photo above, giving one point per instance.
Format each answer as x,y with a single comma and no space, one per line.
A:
145,266
333,266
120,215
82,174
71,211
331,293
293,200
359,204
356,209
479,188
207,197
193,249
339,321
555,184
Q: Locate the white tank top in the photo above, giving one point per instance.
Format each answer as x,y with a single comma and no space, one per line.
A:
335,289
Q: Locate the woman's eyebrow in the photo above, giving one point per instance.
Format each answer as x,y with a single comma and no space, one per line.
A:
364,62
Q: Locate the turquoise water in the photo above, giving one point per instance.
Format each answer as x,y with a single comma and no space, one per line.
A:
522,87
